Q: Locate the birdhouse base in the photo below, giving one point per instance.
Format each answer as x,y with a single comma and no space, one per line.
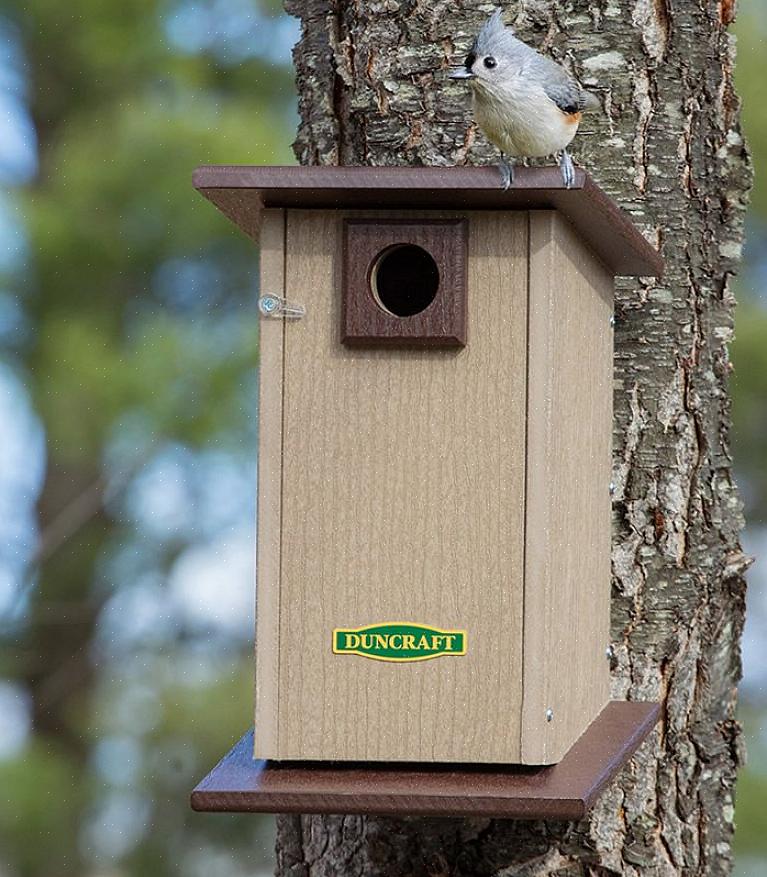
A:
567,790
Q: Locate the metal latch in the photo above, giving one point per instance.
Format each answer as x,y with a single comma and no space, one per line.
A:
274,306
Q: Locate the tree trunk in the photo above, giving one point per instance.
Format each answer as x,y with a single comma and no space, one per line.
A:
668,148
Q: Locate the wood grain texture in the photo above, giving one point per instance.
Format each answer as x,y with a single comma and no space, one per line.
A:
240,192
403,500
569,444
566,791
272,280
365,323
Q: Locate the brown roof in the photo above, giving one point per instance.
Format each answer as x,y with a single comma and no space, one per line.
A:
241,191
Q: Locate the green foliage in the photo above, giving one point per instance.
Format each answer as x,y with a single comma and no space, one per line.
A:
751,790
119,206
140,302
750,821
749,402
49,802
749,350
184,378
751,30
748,386
43,797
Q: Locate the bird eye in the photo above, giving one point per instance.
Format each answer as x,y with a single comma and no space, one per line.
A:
490,62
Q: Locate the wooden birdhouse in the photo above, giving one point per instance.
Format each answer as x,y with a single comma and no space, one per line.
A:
435,422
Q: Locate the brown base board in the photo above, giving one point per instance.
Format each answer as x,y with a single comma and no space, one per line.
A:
567,790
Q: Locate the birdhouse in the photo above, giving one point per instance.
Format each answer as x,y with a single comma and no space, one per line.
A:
434,463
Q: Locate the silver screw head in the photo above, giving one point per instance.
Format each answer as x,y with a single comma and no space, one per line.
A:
609,653
612,321
549,715
612,489
268,304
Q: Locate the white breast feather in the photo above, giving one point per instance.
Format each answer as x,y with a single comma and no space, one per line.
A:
522,120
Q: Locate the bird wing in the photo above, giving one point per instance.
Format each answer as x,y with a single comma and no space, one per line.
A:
566,93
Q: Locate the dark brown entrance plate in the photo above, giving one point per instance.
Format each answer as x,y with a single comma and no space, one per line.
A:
562,791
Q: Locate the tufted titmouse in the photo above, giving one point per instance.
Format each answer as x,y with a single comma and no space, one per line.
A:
525,103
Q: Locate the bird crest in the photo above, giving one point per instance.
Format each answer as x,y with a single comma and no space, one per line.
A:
492,33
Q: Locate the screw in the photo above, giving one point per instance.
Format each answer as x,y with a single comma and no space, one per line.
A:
612,489
612,321
549,715
609,653
268,304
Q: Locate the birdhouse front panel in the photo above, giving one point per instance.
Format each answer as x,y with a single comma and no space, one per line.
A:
433,560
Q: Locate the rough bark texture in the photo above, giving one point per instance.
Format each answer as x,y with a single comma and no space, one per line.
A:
668,148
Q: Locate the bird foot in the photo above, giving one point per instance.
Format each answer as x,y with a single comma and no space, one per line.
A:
568,169
506,169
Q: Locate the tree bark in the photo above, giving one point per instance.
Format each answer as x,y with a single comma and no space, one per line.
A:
668,148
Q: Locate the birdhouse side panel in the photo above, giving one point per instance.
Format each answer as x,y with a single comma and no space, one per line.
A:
403,504
569,447
271,335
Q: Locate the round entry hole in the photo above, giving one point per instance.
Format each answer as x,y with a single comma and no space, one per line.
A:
404,280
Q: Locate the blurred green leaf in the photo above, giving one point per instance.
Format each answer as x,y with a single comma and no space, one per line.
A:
44,796
748,386
751,31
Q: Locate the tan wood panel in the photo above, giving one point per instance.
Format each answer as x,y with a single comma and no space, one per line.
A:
567,561
403,501
272,280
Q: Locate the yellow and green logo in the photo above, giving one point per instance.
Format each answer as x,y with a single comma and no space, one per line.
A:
398,641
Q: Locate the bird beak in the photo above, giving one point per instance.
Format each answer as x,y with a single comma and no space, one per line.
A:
462,73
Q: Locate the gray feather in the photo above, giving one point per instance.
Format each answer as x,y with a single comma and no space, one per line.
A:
495,37
566,92
498,40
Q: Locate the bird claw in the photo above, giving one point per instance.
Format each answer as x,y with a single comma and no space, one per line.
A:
568,169
506,169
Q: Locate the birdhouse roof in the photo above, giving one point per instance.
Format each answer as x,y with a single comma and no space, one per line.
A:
241,192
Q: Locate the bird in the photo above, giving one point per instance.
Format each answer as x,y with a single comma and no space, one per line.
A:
526,104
